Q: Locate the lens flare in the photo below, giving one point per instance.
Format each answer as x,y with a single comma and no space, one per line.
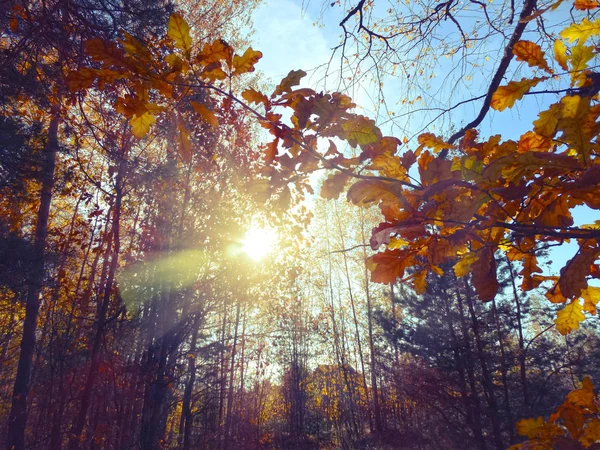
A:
259,242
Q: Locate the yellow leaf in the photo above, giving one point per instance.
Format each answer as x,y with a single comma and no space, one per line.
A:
560,54
207,115
179,32
591,296
506,96
140,125
530,427
245,63
463,266
580,56
548,121
253,96
531,53
569,318
585,5
389,165
430,140
581,31
360,130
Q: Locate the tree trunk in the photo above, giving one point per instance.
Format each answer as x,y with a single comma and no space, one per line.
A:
17,420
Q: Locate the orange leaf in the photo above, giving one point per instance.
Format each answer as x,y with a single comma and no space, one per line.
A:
245,63
585,5
484,275
430,140
533,142
531,53
207,115
388,266
573,275
506,96
253,96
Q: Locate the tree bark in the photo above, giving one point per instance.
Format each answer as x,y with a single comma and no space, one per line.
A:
17,420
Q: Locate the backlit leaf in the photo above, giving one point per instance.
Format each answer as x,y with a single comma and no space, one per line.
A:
179,32
207,115
334,185
245,63
141,125
484,275
463,266
532,54
506,96
581,31
430,140
591,297
573,275
253,96
586,5
560,54
292,79
569,318
360,130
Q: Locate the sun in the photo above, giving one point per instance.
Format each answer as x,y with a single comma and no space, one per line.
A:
259,242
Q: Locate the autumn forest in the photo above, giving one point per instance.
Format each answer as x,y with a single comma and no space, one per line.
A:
394,248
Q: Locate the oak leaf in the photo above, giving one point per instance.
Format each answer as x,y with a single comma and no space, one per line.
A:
532,54
388,266
506,96
140,125
207,115
569,318
179,32
253,96
483,274
586,5
573,275
430,140
360,130
245,63
463,266
581,31
560,54
591,297
292,79
334,185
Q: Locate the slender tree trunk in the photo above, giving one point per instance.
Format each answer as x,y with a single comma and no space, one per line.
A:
17,420
229,415
376,407
470,368
522,367
86,398
486,376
